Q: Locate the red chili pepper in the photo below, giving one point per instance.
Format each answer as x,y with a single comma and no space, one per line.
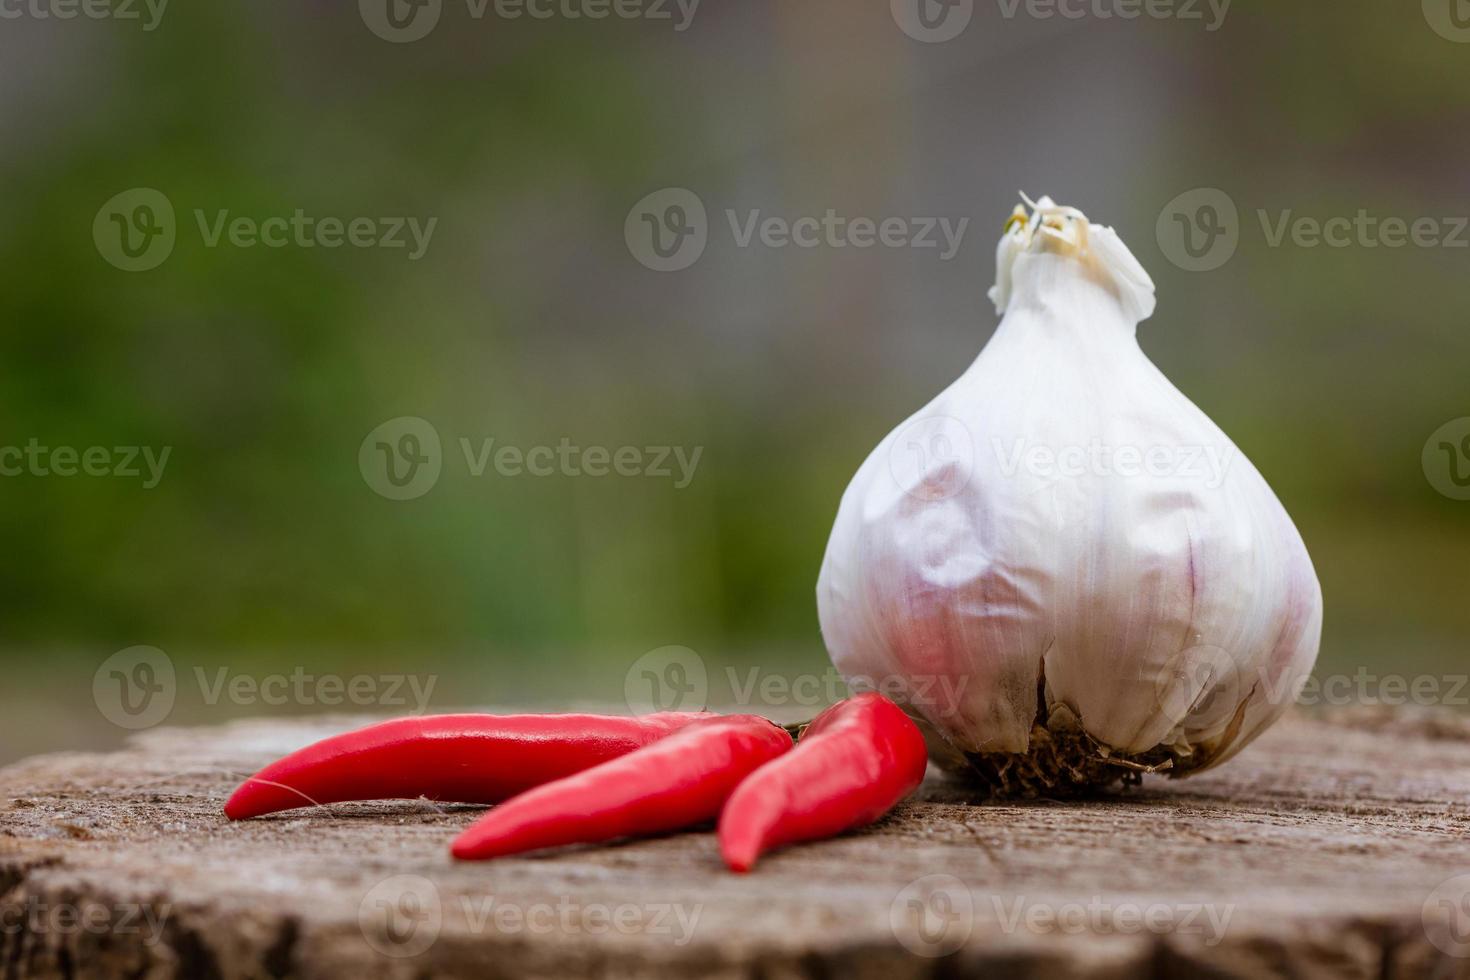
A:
675,782
852,764
456,758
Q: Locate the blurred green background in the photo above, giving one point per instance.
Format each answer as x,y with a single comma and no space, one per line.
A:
263,548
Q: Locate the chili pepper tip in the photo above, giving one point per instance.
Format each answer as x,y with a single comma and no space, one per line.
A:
462,758
679,781
853,763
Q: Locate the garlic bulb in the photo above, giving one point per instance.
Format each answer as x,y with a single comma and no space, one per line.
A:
1061,565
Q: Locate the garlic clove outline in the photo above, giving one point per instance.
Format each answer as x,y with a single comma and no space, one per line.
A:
1082,622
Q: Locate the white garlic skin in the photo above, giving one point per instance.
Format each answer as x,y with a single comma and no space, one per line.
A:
1176,609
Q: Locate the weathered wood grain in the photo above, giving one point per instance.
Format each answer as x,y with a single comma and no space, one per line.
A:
1317,853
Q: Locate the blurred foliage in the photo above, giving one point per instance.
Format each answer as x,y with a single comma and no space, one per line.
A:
528,322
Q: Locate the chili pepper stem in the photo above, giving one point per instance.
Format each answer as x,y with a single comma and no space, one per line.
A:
796,728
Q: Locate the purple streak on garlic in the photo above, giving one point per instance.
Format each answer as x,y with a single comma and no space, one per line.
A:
1062,535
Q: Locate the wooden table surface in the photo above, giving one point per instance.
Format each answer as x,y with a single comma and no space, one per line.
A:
1337,845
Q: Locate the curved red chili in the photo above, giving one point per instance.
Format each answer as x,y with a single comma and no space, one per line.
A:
454,758
852,764
675,782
